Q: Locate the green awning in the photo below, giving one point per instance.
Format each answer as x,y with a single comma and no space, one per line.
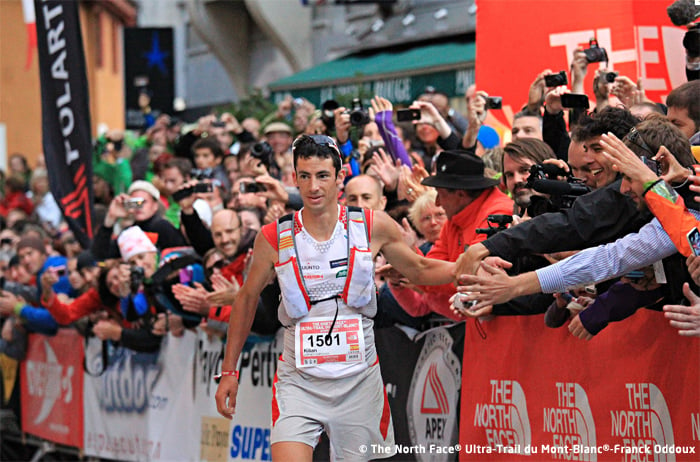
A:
399,76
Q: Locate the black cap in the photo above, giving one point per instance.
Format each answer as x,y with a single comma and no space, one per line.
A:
85,260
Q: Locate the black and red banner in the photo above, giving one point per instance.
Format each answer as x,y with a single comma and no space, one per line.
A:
65,112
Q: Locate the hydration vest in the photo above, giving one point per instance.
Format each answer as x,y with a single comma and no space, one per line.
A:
359,283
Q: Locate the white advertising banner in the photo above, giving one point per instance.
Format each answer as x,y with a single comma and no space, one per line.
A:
142,406
247,436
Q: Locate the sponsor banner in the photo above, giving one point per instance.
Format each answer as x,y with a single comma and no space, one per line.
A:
247,436
142,406
640,40
422,378
541,394
52,386
65,113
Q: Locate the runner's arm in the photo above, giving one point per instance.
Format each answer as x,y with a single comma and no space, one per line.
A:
386,237
242,314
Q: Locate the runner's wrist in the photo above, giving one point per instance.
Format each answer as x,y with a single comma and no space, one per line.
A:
223,374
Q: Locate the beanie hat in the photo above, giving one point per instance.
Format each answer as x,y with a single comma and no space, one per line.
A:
33,242
133,241
141,185
85,260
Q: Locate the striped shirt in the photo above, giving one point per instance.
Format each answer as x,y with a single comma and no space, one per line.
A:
634,251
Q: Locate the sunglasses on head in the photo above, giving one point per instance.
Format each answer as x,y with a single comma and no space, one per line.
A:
320,140
635,138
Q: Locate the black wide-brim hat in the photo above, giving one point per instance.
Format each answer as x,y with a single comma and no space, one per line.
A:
459,170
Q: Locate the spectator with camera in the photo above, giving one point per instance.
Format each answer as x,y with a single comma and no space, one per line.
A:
111,157
278,136
208,155
31,251
518,158
440,100
633,251
595,218
118,307
175,173
140,207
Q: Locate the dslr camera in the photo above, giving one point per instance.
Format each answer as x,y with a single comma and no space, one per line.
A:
358,114
136,278
263,152
594,53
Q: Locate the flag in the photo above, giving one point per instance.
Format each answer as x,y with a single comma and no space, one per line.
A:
65,112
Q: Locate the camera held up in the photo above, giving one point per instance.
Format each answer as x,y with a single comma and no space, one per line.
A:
358,114
562,194
594,53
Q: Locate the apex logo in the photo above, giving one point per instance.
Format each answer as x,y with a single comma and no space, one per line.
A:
434,392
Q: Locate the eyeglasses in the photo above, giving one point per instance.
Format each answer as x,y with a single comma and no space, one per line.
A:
319,140
635,138
437,216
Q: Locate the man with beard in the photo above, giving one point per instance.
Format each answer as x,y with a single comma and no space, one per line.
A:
518,157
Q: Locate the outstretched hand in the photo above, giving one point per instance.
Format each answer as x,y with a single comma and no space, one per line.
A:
685,318
490,286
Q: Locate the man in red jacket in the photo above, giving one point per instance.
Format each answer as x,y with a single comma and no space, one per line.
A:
468,198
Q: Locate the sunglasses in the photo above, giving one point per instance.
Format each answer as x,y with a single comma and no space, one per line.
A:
319,140
635,138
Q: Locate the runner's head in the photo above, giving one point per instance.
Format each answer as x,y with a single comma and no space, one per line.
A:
321,146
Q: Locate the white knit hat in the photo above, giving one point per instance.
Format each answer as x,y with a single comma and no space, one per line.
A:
141,185
133,241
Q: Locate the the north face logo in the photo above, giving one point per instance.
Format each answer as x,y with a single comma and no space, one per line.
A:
647,421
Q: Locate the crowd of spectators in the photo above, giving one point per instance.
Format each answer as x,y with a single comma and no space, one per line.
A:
178,207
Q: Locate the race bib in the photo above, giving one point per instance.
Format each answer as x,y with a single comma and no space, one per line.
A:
315,346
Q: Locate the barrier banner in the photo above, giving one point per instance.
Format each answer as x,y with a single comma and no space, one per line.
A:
247,436
630,394
422,378
65,112
142,406
52,388
522,39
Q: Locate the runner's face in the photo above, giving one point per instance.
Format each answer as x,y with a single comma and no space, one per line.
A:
317,182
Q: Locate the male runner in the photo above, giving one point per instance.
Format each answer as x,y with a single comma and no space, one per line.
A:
328,377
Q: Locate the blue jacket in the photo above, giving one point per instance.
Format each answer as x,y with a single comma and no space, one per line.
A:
38,319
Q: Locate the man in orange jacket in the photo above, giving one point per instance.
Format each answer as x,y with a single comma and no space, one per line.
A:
468,198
